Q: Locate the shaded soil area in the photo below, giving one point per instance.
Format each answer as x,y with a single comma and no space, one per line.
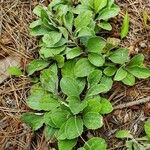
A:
15,16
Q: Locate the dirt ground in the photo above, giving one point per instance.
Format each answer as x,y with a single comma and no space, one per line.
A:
15,41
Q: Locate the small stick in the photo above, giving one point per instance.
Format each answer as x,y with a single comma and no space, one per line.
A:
138,102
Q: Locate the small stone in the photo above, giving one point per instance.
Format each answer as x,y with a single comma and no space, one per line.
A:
142,44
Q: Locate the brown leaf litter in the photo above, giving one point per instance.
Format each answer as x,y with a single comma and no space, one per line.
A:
15,42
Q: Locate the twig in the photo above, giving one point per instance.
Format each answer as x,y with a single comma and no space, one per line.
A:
138,102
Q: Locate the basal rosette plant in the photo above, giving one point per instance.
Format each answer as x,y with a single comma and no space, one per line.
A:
76,67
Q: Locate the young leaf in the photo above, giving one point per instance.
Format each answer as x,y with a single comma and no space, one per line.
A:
76,105
136,61
106,106
103,87
56,118
75,52
96,45
35,23
147,128
93,105
99,4
105,25
49,80
86,32
94,77
83,20
47,52
73,127
61,133
37,10
108,13
66,144
123,134
60,60
120,74
92,120
64,32
68,68
141,73
50,132
68,20
36,65
83,68
70,86
125,26
33,120
96,59
95,143
51,38
110,71
120,56
40,101
129,80
14,71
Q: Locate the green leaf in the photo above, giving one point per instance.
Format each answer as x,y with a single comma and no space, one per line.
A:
35,121
51,38
36,65
96,59
105,25
76,105
123,134
60,60
68,68
103,87
96,45
66,144
93,120
119,56
56,117
94,77
108,13
64,32
37,10
40,101
35,23
74,52
68,20
73,127
93,105
106,106
61,133
99,4
147,128
70,86
49,80
107,81
136,61
83,68
110,70
14,71
120,74
48,52
95,143
50,132
86,32
39,30
125,26
129,80
83,20
141,73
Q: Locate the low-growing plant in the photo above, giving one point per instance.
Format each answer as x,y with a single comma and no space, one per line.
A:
76,67
142,143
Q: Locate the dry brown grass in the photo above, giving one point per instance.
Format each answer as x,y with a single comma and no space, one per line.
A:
15,40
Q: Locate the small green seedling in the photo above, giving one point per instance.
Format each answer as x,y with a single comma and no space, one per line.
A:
142,143
14,71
